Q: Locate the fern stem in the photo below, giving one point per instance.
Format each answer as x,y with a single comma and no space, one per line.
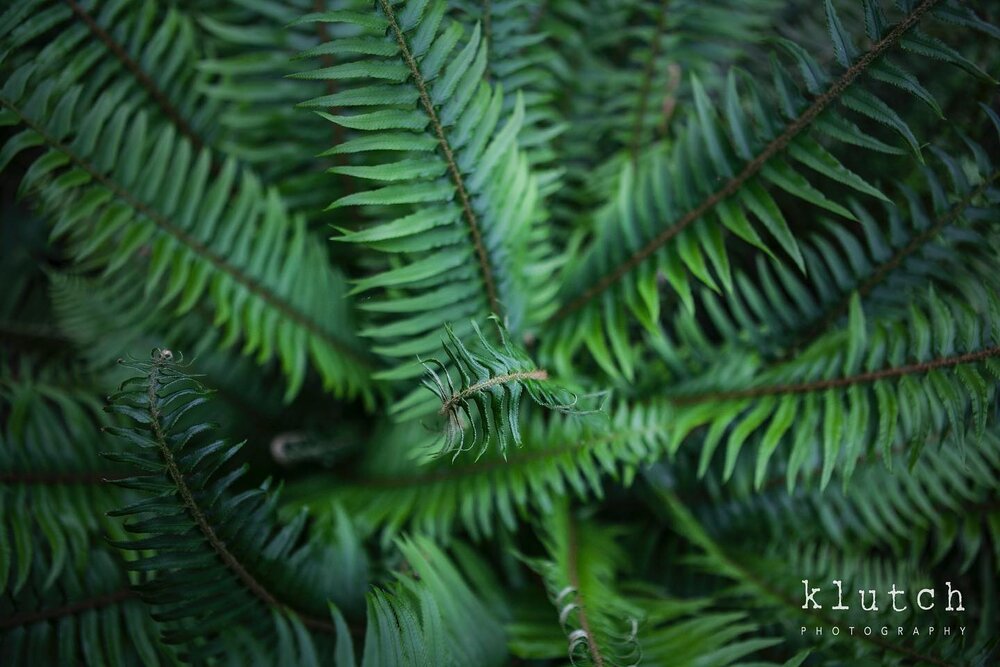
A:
453,171
144,79
573,573
517,376
860,378
187,497
71,609
733,185
218,262
883,270
647,82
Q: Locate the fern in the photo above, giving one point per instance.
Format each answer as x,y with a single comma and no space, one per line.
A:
737,262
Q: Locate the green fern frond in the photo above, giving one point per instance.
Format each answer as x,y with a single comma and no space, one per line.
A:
459,196
51,492
854,383
210,545
429,618
276,292
562,455
92,617
777,312
760,581
580,575
943,503
672,213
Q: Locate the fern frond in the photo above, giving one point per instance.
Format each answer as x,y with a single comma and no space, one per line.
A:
946,241
211,546
464,195
562,455
670,215
272,286
92,617
760,581
942,504
51,493
580,575
853,384
487,397
429,618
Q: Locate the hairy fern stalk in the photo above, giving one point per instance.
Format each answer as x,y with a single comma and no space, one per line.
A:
502,333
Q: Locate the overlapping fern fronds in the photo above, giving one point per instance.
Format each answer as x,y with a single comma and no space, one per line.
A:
673,213
457,203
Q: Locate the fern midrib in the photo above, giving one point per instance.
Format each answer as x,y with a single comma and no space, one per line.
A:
884,270
71,609
218,262
453,171
150,86
187,498
733,185
517,376
573,574
835,383
647,82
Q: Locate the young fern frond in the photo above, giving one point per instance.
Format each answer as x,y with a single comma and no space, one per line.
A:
671,213
487,396
460,198
210,545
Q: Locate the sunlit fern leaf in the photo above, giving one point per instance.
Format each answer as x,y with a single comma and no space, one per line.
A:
561,454
121,185
670,216
852,387
459,204
429,617
486,397
220,559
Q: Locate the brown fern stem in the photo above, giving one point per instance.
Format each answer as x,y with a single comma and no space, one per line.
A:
647,82
821,385
453,171
517,376
572,572
71,609
733,185
187,498
218,262
154,91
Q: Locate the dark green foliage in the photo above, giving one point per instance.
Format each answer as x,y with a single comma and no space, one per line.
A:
514,332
